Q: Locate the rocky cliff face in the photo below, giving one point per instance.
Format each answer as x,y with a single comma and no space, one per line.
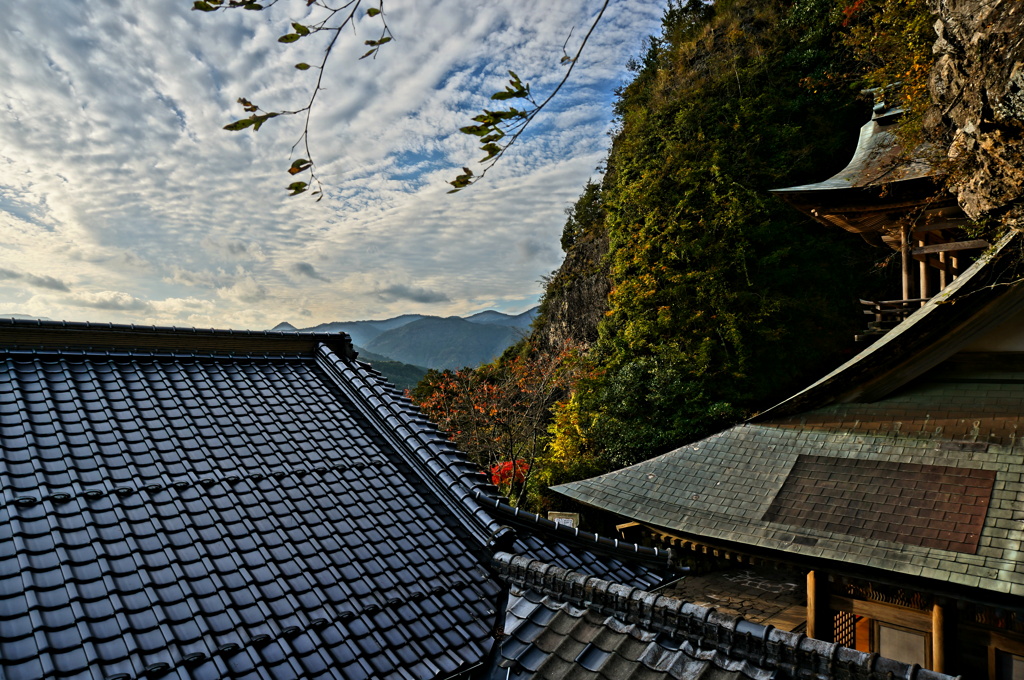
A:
977,87
576,297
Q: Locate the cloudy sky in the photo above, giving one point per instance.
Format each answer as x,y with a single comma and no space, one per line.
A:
122,199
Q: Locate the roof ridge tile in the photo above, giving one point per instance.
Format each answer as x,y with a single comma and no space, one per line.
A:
704,628
419,442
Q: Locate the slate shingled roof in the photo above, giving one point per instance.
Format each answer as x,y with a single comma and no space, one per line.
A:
196,504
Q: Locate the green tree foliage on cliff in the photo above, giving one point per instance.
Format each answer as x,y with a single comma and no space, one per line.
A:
699,296
892,43
723,299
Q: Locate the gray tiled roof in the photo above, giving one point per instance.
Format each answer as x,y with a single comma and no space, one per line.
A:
564,625
198,517
553,640
198,504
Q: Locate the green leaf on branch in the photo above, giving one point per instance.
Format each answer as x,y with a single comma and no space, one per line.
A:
248,105
252,6
299,165
203,7
478,130
492,150
300,29
368,53
372,12
303,66
260,120
376,43
239,124
462,181
297,188
515,89
254,121
289,38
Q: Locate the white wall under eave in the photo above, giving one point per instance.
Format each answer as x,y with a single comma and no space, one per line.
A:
1007,336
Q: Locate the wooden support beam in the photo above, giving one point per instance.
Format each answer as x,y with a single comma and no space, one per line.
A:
938,638
923,270
940,225
878,206
931,260
949,247
819,611
890,613
905,258
944,270
891,303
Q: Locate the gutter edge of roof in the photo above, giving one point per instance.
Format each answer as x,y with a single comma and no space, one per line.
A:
88,337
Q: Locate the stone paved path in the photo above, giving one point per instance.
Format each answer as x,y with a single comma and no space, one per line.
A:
768,598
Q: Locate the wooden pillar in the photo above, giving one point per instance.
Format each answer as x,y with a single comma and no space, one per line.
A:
938,638
944,272
923,274
905,258
819,613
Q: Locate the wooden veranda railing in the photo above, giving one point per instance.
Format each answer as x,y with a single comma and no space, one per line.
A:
887,314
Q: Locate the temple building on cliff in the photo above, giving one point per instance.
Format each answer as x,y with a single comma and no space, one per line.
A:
896,482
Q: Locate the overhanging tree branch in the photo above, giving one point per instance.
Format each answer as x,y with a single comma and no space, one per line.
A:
334,22
498,130
496,125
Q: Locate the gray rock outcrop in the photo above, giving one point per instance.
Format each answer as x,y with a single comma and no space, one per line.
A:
977,86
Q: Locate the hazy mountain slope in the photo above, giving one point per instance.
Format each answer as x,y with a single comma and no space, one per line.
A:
445,343
404,376
492,317
363,332
433,341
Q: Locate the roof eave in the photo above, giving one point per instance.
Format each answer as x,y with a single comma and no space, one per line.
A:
39,335
973,304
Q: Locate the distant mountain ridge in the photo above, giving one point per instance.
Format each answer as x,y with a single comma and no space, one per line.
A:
432,341
363,332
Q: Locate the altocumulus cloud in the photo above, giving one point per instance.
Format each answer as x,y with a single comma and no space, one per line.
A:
112,150
246,290
47,282
110,300
399,291
307,270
